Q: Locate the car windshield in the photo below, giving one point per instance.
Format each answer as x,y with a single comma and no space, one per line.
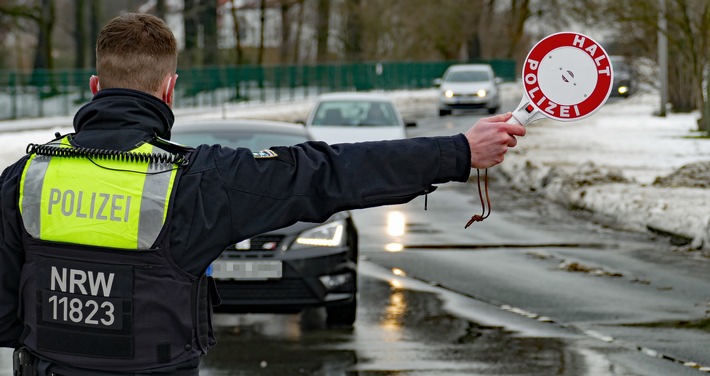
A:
467,76
355,113
234,139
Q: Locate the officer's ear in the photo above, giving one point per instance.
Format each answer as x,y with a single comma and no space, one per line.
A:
94,84
168,94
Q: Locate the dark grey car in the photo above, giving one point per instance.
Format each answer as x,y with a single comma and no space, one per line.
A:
625,77
284,271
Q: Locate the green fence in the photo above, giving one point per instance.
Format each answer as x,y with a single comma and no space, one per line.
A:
62,92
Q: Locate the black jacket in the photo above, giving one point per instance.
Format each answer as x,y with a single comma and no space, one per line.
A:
226,195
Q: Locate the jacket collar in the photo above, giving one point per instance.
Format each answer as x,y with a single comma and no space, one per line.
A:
126,109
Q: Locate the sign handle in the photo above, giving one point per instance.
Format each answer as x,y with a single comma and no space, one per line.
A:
525,113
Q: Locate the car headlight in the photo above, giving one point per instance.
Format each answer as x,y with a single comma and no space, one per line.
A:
481,93
449,93
331,234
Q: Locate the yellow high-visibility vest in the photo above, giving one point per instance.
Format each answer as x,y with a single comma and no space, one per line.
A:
96,201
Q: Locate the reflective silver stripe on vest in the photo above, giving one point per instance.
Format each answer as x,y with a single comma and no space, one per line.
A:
155,193
32,193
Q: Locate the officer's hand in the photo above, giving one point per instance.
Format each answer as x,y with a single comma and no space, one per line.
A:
490,139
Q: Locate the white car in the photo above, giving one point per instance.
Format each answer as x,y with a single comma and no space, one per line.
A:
468,86
355,117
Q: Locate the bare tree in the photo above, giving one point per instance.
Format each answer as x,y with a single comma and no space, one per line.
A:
190,24
353,30
299,30
14,14
95,16
690,19
634,26
43,15
322,30
237,34
43,54
208,21
160,9
262,26
80,34
285,7
519,13
441,29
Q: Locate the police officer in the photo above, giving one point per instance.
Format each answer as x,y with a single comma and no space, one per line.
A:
107,232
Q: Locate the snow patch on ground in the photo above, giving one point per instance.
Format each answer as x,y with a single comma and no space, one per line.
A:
642,171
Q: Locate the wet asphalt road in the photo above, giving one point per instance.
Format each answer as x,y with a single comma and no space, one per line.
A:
402,329
596,284
455,302
533,290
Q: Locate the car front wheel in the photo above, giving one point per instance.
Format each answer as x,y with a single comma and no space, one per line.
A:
343,315
444,112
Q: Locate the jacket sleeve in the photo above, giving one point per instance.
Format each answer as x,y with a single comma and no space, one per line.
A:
11,256
229,195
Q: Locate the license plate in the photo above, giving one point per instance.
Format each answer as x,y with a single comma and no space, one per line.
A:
247,270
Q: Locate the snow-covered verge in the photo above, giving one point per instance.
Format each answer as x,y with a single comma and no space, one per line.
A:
640,171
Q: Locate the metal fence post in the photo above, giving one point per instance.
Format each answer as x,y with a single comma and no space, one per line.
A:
13,95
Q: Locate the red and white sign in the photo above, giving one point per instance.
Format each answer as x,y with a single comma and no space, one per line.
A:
567,76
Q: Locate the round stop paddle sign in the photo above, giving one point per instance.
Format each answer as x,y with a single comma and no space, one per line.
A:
567,76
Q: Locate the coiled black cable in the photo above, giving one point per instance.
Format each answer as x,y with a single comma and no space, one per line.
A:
103,154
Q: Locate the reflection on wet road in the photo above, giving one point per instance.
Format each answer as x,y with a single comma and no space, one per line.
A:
399,331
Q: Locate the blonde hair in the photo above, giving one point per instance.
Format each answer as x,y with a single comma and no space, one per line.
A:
135,51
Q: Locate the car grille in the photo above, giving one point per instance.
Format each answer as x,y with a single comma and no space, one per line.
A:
259,243
285,289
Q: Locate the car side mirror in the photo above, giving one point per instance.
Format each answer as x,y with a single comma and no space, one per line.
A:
300,121
498,80
437,82
410,124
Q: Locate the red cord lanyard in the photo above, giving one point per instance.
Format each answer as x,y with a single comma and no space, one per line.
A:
484,204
